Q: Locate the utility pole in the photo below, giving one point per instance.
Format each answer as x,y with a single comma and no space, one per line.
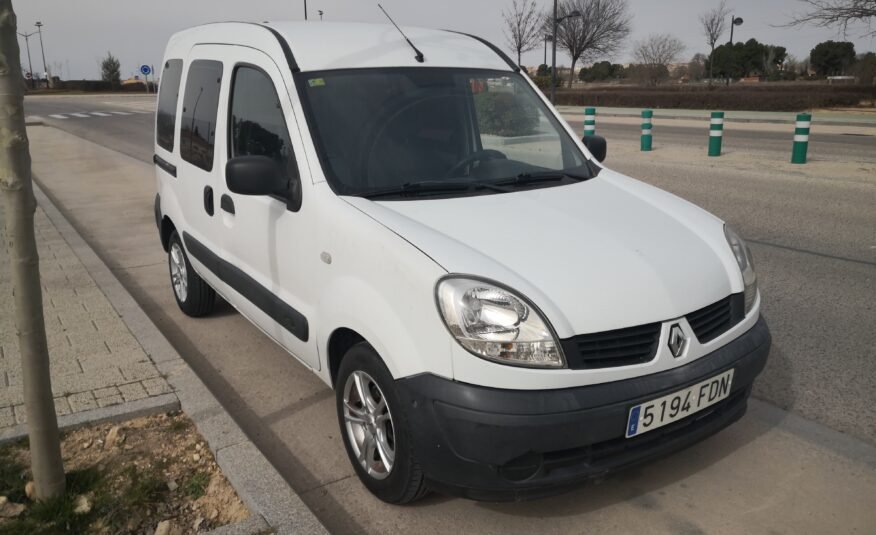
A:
554,56
557,22
16,186
29,62
39,26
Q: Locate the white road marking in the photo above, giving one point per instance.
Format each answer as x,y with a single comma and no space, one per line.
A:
32,118
58,116
121,113
101,114
82,115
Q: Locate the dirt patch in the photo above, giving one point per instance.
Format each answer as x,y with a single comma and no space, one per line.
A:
124,478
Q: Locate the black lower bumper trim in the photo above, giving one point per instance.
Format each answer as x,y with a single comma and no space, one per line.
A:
496,444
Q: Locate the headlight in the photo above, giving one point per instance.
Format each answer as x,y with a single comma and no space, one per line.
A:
746,265
496,324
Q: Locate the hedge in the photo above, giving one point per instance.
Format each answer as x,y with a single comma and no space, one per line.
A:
762,97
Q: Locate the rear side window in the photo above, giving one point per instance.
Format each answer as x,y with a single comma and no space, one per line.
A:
165,126
257,126
200,106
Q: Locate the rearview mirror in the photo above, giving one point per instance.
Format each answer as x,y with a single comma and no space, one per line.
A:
260,175
255,175
597,146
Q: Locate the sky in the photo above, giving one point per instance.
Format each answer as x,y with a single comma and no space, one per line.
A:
78,33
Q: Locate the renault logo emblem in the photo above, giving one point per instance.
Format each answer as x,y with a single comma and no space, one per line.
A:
677,340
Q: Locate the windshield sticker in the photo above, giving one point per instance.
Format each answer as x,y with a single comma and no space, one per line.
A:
316,82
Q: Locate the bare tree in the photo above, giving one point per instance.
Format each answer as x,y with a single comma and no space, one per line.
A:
656,53
17,188
714,23
522,27
827,13
599,32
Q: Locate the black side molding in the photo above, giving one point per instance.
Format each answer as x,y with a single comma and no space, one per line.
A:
168,167
291,320
492,47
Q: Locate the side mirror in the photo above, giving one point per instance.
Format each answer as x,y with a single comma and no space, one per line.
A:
597,146
260,175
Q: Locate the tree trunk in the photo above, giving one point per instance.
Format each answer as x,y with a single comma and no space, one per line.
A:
17,188
572,74
711,64
519,60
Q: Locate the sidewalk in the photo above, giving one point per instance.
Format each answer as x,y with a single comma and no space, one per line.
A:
823,117
110,363
99,370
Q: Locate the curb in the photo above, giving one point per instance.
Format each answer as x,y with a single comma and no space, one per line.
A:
273,504
113,413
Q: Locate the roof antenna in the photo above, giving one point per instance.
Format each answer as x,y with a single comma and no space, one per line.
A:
419,57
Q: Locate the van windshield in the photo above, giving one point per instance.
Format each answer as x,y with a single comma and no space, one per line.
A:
414,132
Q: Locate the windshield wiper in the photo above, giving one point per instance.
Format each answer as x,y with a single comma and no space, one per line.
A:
430,186
542,176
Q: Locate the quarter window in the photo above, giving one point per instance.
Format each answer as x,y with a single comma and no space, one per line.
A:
257,126
200,106
165,127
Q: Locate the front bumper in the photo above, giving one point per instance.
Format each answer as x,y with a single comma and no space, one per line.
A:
493,444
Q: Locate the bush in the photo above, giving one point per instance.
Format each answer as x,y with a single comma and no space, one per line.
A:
499,114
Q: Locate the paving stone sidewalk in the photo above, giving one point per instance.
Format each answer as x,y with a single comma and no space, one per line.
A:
95,360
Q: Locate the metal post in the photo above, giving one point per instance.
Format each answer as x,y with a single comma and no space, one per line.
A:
732,19
554,57
29,63
589,121
39,26
801,138
716,133
647,126
305,9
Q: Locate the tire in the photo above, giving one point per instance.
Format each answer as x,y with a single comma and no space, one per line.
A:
404,481
194,296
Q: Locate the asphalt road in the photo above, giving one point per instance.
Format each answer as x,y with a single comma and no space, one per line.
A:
812,230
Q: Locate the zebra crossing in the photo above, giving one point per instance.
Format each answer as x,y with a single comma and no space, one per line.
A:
84,115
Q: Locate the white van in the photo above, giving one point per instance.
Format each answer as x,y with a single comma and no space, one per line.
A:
500,316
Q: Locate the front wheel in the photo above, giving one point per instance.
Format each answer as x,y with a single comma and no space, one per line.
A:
193,295
375,428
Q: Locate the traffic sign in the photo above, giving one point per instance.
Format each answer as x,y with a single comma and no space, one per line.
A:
146,70
29,76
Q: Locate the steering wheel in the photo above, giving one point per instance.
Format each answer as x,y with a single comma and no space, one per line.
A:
477,156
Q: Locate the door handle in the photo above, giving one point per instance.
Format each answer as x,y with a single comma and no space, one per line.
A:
226,203
208,200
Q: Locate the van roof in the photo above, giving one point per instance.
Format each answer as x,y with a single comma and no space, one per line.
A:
319,46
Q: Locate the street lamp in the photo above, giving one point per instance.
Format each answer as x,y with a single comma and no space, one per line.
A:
734,21
557,22
547,38
39,26
29,63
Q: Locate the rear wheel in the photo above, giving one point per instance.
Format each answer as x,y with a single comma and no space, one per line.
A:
194,296
375,428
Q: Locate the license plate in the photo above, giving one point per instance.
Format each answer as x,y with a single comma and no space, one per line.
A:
673,407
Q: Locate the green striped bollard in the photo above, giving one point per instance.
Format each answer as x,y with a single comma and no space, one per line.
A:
716,133
801,138
589,121
646,129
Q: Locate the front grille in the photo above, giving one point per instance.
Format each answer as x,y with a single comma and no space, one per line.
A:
714,320
622,347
